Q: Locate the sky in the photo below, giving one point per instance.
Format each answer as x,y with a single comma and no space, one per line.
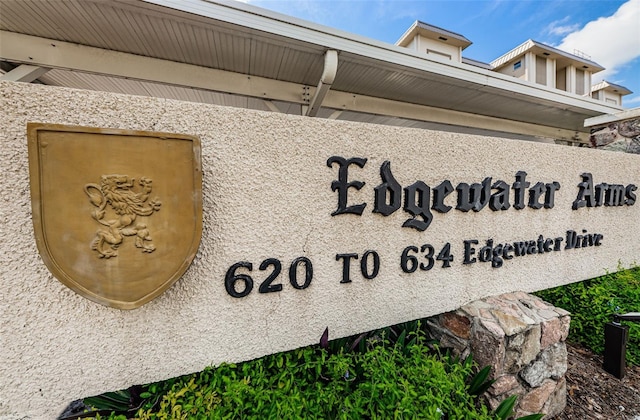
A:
608,31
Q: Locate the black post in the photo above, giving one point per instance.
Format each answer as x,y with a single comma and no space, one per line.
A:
615,344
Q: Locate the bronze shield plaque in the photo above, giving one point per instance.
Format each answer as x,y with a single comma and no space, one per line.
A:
117,214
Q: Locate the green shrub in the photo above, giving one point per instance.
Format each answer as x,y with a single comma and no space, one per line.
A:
388,380
592,304
395,372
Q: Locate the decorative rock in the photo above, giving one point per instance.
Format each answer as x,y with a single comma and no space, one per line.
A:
530,311
474,307
548,313
522,349
459,346
634,146
447,340
540,304
457,324
510,324
487,349
622,136
515,341
538,397
602,139
558,399
551,332
495,400
522,338
554,330
492,327
504,385
522,296
552,363
629,128
565,322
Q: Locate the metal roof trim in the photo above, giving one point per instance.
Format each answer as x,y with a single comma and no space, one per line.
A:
477,63
510,55
425,29
604,85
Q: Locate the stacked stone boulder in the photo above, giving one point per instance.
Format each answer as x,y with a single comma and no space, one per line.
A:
621,136
522,338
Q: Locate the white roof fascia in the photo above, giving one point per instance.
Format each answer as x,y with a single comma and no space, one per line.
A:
430,31
609,118
238,13
442,31
573,57
604,85
407,34
517,51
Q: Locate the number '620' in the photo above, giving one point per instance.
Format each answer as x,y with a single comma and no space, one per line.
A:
232,278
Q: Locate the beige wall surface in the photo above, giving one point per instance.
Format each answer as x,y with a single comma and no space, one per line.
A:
426,45
267,194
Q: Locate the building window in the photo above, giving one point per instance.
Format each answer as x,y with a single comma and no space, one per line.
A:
517,65
611,101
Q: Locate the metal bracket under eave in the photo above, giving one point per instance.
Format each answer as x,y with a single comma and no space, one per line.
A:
326,80
24,73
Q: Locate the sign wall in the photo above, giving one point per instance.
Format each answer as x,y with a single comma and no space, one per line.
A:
306,224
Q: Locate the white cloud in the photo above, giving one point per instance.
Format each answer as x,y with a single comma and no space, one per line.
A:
611,41
561,28
634,100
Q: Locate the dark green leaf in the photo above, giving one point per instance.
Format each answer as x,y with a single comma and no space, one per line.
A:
505,409
479,382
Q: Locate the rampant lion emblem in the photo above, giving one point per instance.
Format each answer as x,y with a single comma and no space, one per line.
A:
117,191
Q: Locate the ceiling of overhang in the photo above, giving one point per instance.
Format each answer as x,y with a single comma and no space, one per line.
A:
153,31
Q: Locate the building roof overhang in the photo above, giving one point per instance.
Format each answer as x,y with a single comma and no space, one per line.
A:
234,54
563,59
610,87
432,32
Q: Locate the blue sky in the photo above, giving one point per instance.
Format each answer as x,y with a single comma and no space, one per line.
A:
606,30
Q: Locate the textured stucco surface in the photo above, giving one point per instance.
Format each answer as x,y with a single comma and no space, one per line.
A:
267,193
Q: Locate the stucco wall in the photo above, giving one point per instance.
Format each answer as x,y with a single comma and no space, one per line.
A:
267,194
520,72
426,45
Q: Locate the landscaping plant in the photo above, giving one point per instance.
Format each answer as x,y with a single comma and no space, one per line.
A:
387,380
592,304
396,372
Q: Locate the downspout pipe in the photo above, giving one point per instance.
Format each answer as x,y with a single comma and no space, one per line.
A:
326,80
